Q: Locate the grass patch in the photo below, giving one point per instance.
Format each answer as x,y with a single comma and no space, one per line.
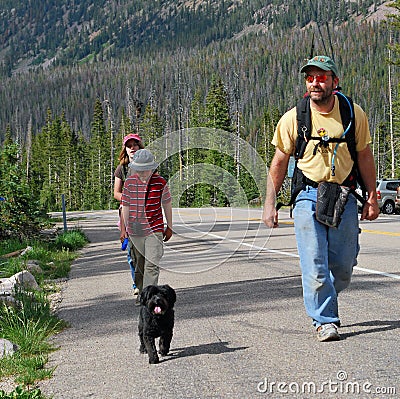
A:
53,256
29,323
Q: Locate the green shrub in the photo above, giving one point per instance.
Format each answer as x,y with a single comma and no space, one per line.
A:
21,393
21,213
72,240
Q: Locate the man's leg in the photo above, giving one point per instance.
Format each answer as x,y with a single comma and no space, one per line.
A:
344,246
319,293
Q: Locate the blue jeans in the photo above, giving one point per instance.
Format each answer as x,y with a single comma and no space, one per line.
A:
327,256
131,264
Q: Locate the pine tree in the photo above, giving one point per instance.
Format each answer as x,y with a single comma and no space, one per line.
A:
79,169
43,164
217,114
396,134
218,117
394,49
20,212
98,191
394,22
151,127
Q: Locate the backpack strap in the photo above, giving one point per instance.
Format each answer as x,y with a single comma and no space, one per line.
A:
347,114
303,115
346,108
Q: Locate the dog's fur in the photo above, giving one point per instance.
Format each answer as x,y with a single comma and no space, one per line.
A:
156,319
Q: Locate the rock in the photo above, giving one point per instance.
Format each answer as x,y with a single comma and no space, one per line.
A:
24,279
6,286
7,348
27,249
33,266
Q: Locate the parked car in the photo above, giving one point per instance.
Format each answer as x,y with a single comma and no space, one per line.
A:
397,201
386,192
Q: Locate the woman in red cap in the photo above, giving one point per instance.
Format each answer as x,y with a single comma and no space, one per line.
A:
130,144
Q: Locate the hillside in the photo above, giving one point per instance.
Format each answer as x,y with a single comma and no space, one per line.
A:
65,32
62,55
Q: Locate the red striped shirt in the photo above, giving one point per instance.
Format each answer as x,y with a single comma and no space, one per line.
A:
134,195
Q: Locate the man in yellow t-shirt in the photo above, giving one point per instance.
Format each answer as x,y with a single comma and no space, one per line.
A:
327,255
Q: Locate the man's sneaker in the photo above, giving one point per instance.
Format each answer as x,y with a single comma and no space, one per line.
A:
136,291
328,332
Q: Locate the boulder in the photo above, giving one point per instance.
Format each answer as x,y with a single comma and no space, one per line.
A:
33,266
7,348
22,279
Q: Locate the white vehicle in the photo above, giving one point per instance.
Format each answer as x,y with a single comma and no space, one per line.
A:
386,192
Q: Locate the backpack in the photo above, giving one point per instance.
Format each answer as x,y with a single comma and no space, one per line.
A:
304,129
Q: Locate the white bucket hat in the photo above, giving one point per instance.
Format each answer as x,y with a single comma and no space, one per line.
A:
143,160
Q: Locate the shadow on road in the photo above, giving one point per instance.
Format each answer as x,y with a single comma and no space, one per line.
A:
214,348
375,327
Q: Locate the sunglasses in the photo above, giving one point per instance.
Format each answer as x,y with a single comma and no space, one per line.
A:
131,145
318,78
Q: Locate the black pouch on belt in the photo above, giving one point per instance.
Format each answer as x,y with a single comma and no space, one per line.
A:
331,199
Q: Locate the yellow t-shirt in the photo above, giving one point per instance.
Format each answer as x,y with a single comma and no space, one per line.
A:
318,167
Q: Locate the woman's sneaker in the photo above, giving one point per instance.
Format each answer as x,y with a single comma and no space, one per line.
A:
135,290
327,332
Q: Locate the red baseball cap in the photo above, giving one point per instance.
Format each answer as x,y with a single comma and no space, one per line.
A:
131,136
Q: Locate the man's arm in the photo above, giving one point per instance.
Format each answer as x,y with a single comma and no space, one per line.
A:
276,176
366,166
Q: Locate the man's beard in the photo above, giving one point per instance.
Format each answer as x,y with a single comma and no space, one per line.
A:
322,97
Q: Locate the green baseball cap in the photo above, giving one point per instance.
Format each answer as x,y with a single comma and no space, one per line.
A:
323,62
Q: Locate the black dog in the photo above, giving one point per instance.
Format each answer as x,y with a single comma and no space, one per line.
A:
156,319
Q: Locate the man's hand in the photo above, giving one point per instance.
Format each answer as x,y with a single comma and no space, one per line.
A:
276,175
370,210
270,216
366,166
167,234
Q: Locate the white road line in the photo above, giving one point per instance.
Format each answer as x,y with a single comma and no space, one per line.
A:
275,251
397,277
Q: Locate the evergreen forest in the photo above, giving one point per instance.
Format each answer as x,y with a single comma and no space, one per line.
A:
77,76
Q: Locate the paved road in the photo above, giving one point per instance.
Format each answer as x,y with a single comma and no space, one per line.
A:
241,330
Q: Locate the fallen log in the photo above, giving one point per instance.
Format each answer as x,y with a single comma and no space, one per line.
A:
12,254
